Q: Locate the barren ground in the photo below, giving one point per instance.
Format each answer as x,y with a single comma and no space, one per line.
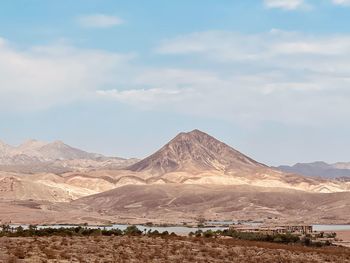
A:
170,249
344,236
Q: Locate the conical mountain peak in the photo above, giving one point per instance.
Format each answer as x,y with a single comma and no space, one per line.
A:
195,151
195,135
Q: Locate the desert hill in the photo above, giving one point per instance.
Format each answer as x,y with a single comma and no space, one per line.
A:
42,151
56,157
195,151
320,169
216,202
47,187
198,158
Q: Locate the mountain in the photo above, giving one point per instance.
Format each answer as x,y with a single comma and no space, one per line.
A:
5,149
320,169
47,187
342,165
198,158
195,151
194,174
51,151
192,158
36,156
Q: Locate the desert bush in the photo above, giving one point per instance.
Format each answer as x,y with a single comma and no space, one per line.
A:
50,253
65,255
12,259
132,231
198,233
277,238
209,234
19,252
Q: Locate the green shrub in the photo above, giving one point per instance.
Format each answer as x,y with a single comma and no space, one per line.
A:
132,231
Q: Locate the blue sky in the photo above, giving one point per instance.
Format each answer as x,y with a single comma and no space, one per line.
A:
270,78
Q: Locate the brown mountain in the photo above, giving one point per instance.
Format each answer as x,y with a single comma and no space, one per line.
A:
57,157
320,169
195,151
52,151
194,174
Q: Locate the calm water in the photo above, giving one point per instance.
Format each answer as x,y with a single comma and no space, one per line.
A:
331,227
181,230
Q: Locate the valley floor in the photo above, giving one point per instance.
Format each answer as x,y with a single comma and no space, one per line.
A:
157,249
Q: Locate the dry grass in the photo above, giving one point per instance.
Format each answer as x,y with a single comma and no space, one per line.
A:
170,249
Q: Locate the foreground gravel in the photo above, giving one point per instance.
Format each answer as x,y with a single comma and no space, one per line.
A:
157,249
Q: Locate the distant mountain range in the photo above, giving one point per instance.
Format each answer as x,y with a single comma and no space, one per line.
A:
321,169
36,156
196,174
38,151
193,174
192,152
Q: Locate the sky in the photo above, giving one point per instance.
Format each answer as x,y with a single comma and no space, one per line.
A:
271,78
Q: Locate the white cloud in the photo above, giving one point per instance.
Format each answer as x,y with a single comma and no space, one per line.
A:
341,2
285,4
223,46
245,98
40,77
284,77
99,21
144,98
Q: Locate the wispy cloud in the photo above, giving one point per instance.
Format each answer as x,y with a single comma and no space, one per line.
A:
284,77
285,4
341,2
99,21
248,77
43,76
232,46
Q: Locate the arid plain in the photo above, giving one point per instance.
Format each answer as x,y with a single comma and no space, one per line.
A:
172,249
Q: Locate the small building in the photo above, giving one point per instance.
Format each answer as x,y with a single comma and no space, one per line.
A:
294,229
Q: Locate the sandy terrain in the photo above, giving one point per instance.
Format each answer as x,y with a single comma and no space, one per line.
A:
156,249
344,236
172,203
178,203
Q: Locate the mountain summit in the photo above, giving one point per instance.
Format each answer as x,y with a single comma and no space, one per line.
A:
35,156
195,151
43,151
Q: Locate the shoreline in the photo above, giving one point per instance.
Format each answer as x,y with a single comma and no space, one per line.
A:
344,236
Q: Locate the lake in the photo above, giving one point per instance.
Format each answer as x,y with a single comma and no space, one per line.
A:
330,227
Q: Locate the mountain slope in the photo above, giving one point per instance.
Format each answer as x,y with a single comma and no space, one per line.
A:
176,202
51,151
57,157
198,158
47,187
192,152
5,149
192,158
